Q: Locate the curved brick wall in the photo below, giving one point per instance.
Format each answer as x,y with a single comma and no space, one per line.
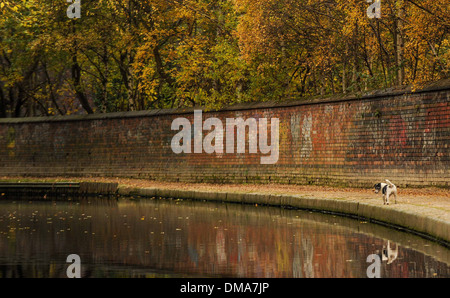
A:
401,136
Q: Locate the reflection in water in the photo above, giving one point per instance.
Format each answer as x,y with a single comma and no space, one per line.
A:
172,238
390,254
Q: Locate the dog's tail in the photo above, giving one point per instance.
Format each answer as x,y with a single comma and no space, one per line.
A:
389,183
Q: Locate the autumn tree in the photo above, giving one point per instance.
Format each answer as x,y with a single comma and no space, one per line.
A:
125,55
321,47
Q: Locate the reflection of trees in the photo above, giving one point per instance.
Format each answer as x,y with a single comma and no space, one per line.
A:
308,254
36,238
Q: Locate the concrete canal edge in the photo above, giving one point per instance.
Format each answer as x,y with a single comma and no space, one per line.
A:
420,224
414,222
57,188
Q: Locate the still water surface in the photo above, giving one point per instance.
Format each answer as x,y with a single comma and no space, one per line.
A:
173,238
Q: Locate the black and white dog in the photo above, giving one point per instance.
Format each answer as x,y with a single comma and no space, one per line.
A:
389,254
387,189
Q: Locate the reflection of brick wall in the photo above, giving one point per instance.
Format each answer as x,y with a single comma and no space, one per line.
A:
404,137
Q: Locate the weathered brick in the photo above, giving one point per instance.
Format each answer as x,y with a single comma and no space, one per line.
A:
401,137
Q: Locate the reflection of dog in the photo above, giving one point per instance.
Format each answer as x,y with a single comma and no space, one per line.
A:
389,254
387,189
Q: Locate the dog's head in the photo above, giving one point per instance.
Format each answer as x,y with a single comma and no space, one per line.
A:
377,187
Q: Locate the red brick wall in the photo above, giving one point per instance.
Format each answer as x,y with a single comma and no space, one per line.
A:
403,137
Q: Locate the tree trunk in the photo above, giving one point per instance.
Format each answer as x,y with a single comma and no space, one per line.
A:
76,77
105,79
130,58
355,59
131,101
2,104
400,44
344,74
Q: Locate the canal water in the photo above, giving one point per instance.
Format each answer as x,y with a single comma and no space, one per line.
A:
128,237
